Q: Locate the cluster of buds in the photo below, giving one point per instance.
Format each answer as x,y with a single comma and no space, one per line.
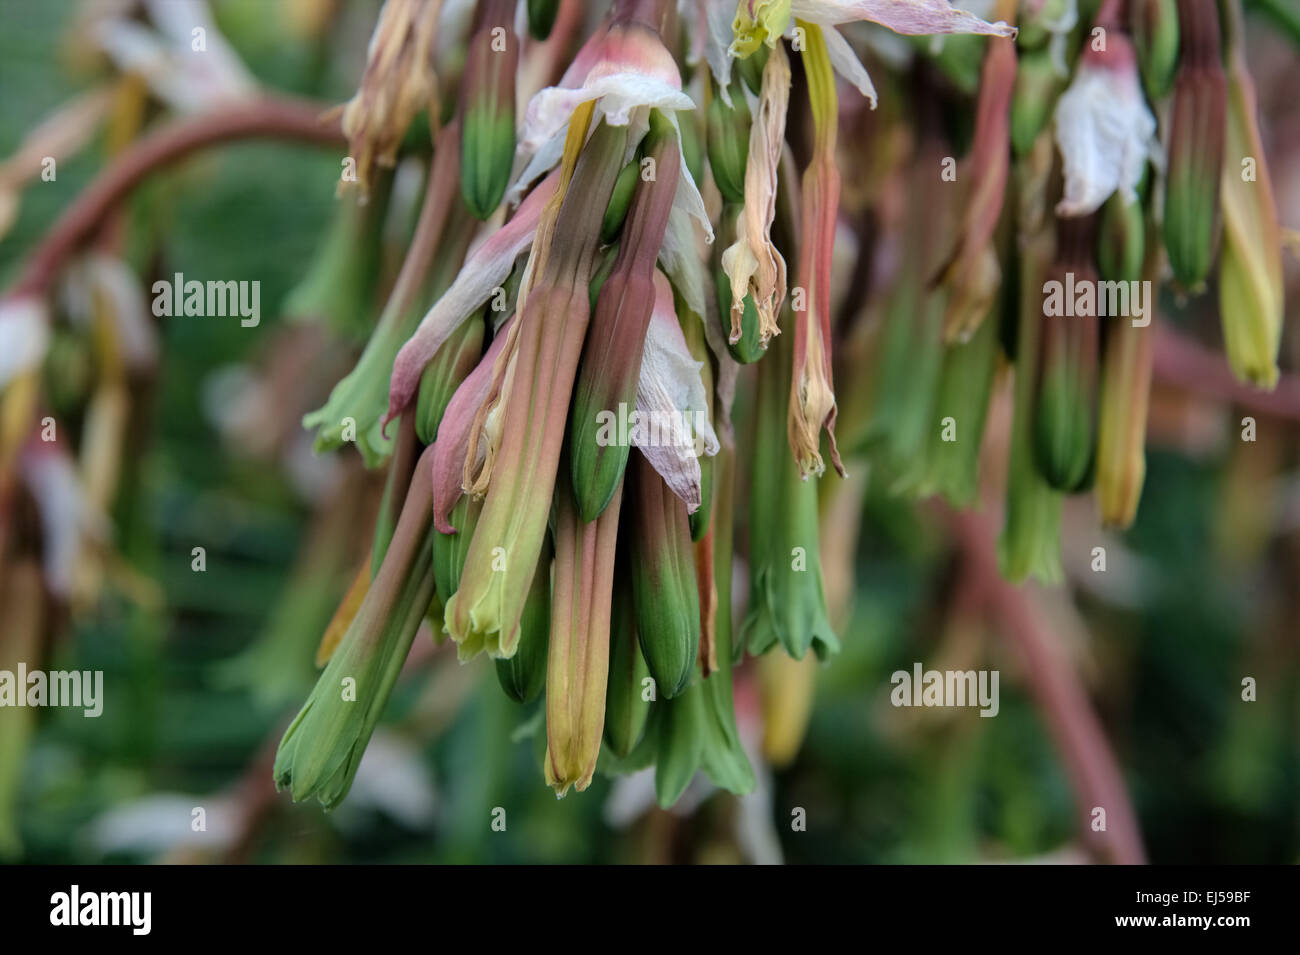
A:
640,311
571,429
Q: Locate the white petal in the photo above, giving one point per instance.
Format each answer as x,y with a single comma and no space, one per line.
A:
1105,133
717,38
66,515
847,64
24,335
670,393
909,17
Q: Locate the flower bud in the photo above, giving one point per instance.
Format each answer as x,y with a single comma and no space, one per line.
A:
1122,412
1030,543
1121,240
1196,143
697,731
1154,25
616,211
787,689
457,357
487,103
1038,84
626,703
965,390
577,667
450,549
1250,273
662,567
1065,375
321,749
787,604
728,139
611,360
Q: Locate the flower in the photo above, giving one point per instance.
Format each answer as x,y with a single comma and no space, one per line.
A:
320,751
753,265
1104,129
766,21
398,82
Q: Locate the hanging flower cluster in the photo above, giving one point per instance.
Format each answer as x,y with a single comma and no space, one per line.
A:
565,477
683,280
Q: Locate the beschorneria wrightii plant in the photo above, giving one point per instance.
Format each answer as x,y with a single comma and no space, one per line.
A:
581,461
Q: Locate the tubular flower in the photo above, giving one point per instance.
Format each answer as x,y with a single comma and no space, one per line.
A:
487,104
812,400
1196,145
547,340
322,747
972,275
577,669
1250,273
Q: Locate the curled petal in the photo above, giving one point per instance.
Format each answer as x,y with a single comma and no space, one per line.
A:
717,16
753,264
910,17
628,70
847,64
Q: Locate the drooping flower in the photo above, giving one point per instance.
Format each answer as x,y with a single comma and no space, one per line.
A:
1198,122
577,671
320,751
972,275
1104,129
611,360
1251,289
812,399
487,107
398,82
753,265
541,360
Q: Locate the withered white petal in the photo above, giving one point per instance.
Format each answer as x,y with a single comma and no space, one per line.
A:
1105,133
671,393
